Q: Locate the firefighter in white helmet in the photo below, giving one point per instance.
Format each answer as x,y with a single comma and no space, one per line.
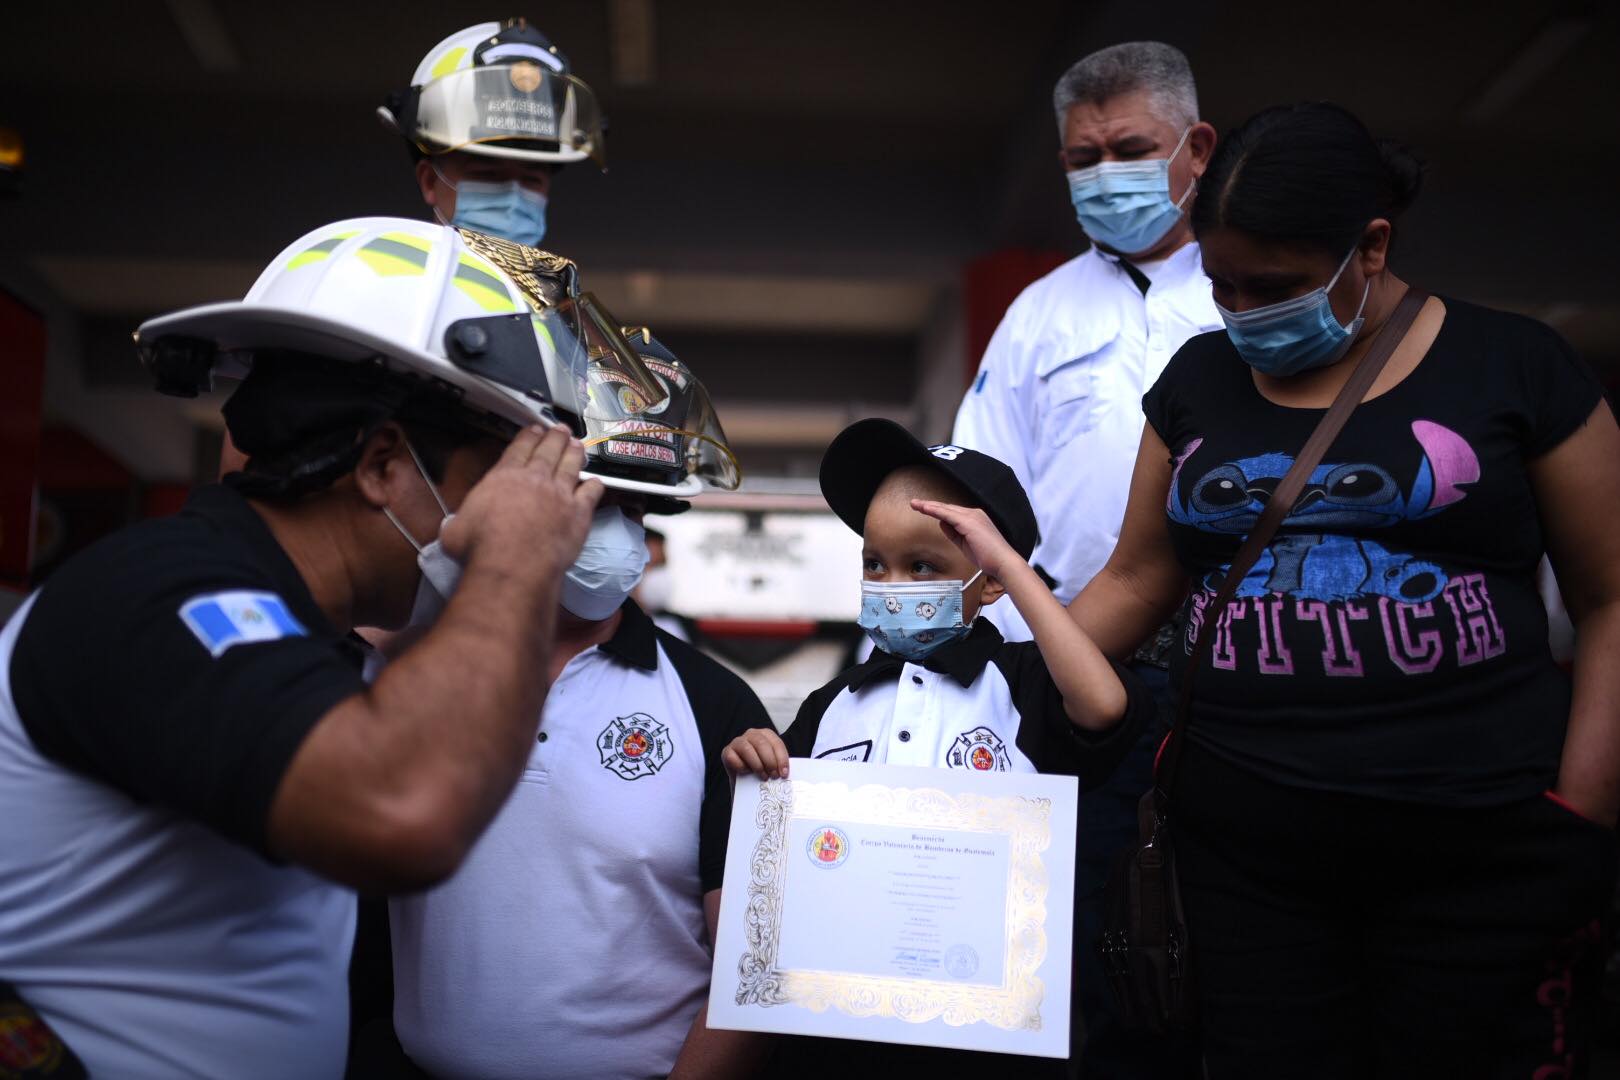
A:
491,114
194,772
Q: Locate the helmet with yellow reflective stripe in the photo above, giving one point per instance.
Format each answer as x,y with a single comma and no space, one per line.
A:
500,89
498,329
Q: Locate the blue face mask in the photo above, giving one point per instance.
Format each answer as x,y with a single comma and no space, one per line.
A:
608,568
1126,205
1294,335
501,208
910,619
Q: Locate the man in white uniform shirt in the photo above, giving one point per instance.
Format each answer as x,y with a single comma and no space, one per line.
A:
1058,394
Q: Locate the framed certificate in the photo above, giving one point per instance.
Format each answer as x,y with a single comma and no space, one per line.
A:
899,904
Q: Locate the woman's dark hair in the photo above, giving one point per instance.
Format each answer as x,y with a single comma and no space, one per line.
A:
1309,174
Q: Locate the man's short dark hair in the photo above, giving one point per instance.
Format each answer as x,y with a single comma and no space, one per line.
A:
303,421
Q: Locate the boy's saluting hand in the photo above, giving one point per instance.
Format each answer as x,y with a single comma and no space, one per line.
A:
1093,697
760,751
971,530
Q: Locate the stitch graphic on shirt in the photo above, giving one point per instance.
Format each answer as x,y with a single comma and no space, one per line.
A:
980,749
1415,635
1231,496
1324,566
635,746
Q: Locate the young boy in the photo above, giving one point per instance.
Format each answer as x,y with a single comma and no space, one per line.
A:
947,531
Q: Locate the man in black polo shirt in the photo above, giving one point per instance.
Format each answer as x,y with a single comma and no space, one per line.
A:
193,773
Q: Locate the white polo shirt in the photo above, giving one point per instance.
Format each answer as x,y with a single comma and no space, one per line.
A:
980,704
1058,397
572,941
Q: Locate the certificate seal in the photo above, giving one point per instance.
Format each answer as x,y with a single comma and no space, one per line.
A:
961,962
828,847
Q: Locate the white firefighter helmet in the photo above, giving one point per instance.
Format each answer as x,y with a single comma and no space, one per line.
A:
500,328
500,89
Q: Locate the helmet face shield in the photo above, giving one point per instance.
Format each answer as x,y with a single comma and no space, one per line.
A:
590,368
559,354
619,385
521,110
674,440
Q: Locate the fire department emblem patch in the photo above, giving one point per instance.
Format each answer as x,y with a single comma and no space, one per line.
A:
635,746
28,1047
980,749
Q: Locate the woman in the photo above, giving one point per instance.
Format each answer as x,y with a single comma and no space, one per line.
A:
1394,815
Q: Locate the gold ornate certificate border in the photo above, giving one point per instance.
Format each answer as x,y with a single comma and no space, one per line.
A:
1014,1005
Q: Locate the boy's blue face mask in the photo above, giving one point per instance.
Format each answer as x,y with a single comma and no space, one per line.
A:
503,208
911,619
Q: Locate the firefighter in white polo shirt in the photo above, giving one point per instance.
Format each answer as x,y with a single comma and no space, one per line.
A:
576,939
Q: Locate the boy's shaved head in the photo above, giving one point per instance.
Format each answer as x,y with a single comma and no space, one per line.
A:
921,482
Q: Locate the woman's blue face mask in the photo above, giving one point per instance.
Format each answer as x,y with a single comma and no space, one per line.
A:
1294,335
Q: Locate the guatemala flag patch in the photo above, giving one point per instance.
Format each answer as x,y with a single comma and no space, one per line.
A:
220,620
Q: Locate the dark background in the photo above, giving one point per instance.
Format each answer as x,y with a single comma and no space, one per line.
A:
823,208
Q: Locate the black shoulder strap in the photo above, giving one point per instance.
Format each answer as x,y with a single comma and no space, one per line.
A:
800,736
718,697
1278,507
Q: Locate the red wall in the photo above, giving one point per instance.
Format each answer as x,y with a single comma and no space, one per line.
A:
991,283
22,377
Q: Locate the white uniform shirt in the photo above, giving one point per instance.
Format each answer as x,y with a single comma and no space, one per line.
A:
572,941
1058,397
980,704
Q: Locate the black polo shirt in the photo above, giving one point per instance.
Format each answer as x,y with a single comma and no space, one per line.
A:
182,661
152,694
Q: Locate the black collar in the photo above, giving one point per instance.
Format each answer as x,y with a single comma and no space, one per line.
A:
635,641
231,513
961,660
1139,279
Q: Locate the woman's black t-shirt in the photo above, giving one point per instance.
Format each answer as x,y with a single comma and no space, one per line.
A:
1390,641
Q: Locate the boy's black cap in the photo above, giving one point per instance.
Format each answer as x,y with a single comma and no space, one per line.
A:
869,450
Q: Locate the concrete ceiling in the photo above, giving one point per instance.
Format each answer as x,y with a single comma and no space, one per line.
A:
794,188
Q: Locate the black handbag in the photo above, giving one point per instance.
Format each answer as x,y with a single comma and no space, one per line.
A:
1146,951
